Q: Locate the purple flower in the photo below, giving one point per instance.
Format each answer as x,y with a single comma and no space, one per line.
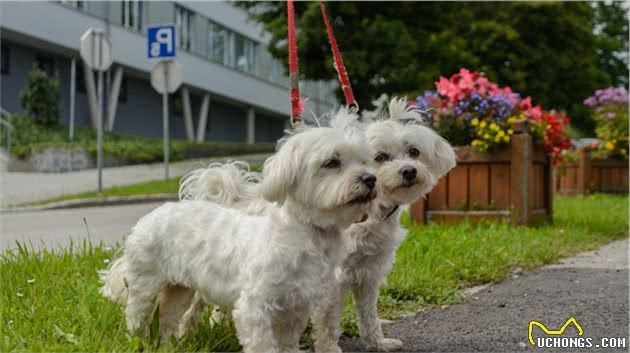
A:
611,116
424,102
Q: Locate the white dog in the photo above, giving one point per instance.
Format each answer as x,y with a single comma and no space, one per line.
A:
269,269
409,157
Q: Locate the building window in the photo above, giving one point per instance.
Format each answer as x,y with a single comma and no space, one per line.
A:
131,15
46,63
178,104
185,23
217,39
122,94
4,53
77,4
245,52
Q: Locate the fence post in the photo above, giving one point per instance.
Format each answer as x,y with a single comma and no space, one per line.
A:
521,171
584,170
417,211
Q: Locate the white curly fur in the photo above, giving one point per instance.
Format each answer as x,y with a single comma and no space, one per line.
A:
270,268
369,247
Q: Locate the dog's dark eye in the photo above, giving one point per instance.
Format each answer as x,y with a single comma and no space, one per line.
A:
381,157
413,152
332,163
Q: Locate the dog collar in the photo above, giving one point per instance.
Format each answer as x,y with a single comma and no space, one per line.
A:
390,213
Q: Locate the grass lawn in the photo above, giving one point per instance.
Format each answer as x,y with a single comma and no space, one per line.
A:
147,188
49,301
170,186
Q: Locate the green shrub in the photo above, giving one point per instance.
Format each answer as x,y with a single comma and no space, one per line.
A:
29,137
40,99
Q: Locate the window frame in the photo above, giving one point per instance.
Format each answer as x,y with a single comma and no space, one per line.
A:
5,59
132,14
185,18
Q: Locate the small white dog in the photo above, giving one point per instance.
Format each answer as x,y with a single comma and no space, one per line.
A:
409,157
268,269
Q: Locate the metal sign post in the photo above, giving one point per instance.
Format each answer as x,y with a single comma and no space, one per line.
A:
166,75
96,52
165,128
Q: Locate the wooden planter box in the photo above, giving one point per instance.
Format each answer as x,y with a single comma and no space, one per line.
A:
513,184
591,175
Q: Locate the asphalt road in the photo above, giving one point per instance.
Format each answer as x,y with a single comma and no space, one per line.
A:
592,287
58,227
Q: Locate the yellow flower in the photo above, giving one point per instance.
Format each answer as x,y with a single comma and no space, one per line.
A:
483,124
494,126
475,122
506,138
510,131
486,136
623,151
497,139
609,146
501,133
475,142
511,120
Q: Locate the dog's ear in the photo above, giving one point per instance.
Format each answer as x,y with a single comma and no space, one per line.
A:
280,173
444,158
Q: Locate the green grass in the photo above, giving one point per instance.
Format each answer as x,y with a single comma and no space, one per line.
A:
170,186
49,301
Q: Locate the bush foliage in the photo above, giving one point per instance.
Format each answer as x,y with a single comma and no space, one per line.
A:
29,137
40,98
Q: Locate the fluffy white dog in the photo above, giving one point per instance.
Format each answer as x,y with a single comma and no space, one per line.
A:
270,269
409,157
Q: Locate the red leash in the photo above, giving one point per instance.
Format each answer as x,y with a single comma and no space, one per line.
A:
339,66
297,106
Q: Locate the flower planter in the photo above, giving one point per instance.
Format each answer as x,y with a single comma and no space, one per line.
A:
591,175
514,183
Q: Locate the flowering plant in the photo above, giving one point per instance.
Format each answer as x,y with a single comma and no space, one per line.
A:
470,109
610,110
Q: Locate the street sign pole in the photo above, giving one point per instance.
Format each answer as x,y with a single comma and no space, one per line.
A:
165,121
96,51
73,92
165,79
99,130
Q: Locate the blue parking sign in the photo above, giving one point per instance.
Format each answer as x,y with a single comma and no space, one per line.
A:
161,41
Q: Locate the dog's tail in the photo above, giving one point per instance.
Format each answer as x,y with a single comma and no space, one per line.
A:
226,183
114,282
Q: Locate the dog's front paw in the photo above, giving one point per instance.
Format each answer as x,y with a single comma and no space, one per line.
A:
386,345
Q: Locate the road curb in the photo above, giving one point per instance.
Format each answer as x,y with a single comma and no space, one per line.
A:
94,202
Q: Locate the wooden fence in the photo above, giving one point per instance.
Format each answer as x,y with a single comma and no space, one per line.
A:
591,175
514,183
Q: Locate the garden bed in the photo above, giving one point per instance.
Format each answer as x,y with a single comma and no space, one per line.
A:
586,174
513,183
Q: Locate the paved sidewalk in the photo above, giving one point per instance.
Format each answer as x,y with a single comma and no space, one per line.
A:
18,187
592,287
54,228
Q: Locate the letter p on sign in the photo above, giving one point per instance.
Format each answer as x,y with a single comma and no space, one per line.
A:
161,41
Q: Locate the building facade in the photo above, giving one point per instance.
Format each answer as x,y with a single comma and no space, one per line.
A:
233,89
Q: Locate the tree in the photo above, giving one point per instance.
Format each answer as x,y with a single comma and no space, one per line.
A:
556,52
40,99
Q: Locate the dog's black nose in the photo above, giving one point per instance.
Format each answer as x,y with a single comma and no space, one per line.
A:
369,180
408,173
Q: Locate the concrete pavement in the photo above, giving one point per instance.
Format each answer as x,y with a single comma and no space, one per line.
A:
591,287
57,227
18,187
